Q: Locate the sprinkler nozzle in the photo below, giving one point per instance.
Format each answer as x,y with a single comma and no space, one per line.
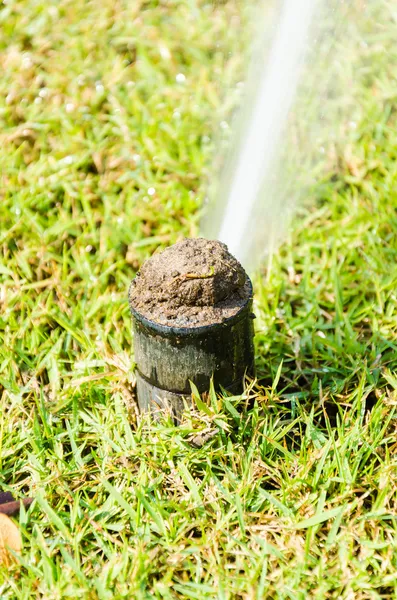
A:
192,316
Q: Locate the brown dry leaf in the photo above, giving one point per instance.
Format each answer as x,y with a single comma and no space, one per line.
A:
10,539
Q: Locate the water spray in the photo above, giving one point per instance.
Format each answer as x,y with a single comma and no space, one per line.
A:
276,82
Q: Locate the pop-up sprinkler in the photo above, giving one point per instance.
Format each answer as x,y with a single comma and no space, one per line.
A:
192,314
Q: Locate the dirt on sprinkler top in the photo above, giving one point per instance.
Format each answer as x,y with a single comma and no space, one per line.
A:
194,283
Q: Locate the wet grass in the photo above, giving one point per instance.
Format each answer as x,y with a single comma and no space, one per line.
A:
108,114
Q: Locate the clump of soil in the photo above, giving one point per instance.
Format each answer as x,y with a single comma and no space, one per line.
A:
193,283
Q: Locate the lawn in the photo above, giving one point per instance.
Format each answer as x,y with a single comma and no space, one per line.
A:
109,113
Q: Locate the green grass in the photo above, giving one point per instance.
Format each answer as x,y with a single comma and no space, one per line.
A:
291,492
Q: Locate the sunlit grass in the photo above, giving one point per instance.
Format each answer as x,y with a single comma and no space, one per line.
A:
286,492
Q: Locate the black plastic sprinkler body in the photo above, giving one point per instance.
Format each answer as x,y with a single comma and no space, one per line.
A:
169,357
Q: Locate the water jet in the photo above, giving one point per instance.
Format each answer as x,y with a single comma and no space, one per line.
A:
191,308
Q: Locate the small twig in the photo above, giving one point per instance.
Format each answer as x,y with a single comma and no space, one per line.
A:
193,276
10,506
198,276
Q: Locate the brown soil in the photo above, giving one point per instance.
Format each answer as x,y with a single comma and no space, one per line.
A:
196,282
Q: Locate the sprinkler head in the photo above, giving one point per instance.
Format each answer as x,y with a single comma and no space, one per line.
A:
192,316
